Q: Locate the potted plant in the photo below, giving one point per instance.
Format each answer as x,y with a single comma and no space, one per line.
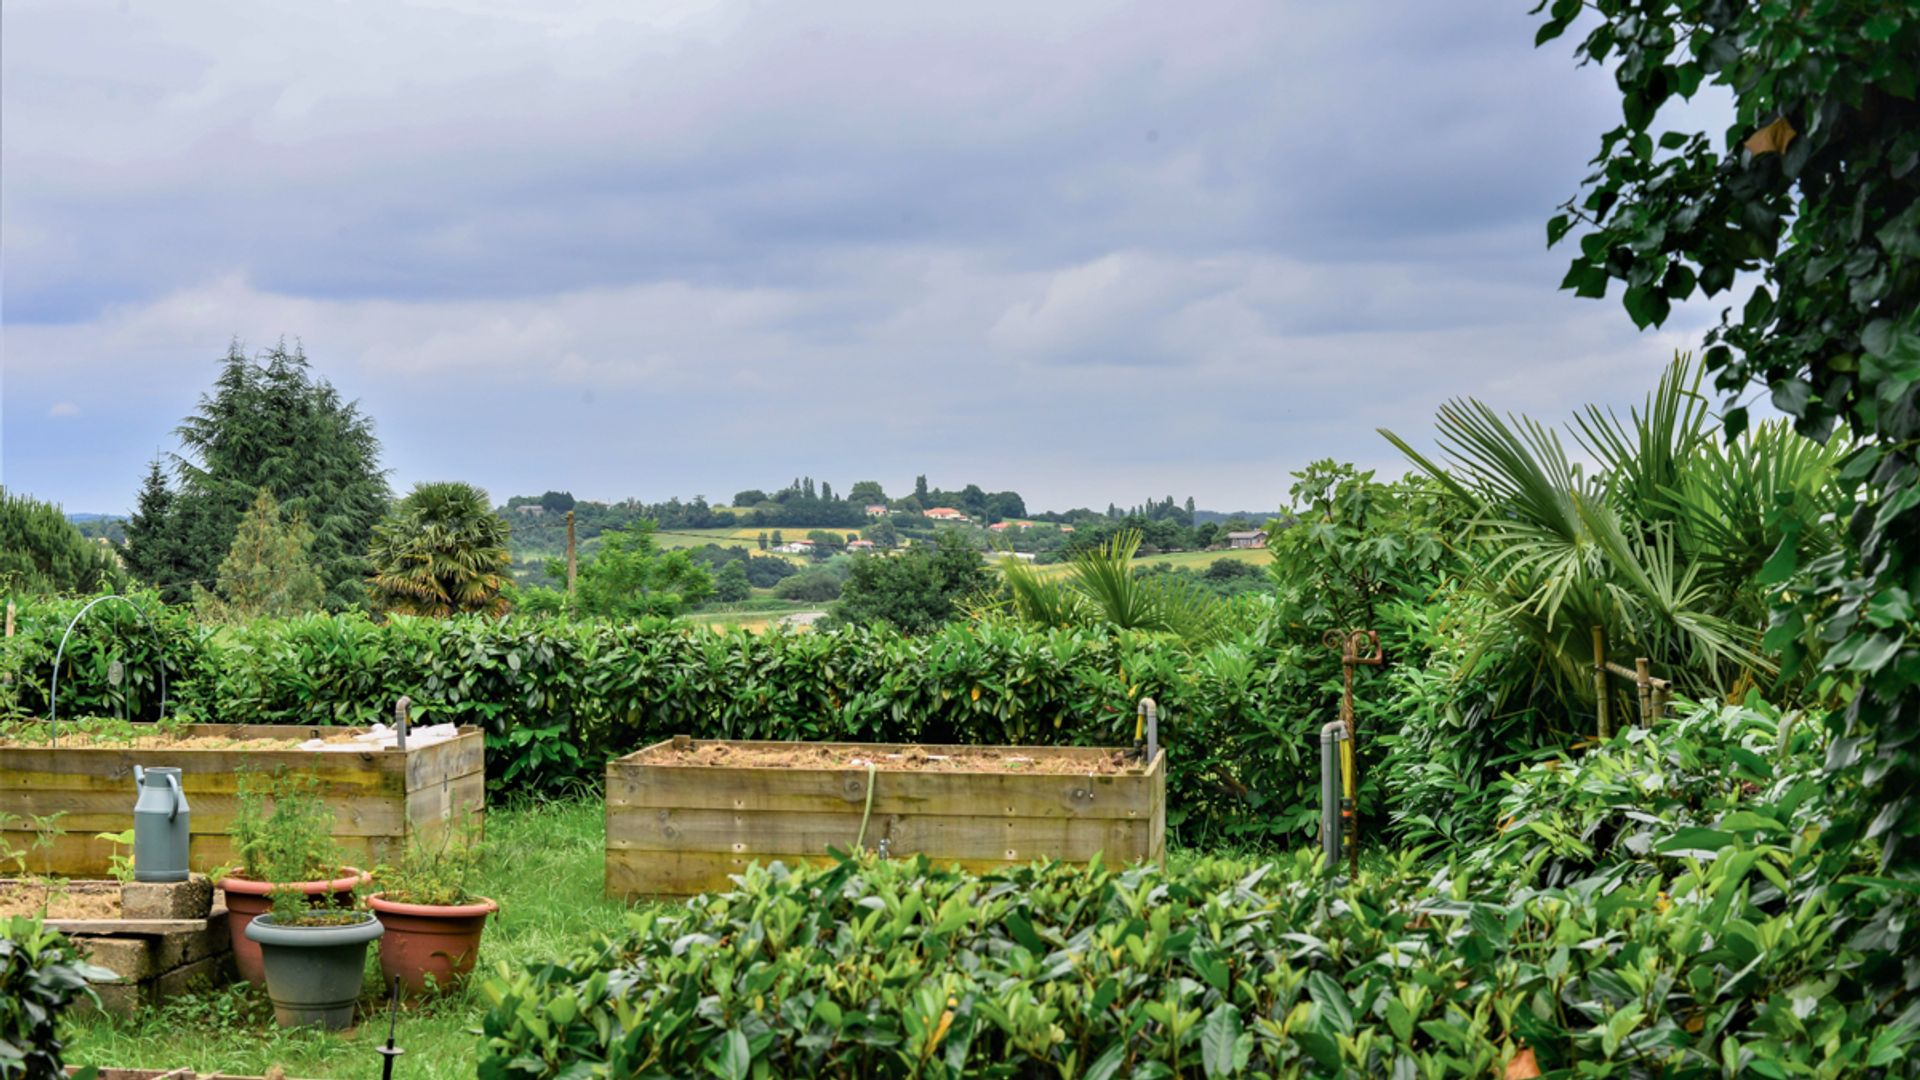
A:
433,919
287,848
315,956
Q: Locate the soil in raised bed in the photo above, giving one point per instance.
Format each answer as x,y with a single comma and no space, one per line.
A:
75,738
58,899
994,759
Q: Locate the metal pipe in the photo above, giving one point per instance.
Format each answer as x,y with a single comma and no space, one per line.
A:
1146,720
1332,819
1600,681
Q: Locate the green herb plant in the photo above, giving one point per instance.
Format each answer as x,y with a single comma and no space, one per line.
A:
119,864
435,874
46,833
283,834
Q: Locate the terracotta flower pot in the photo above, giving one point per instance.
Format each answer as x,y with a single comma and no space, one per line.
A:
247,898
429,940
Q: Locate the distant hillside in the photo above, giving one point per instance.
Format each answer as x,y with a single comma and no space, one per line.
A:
112,527
1251,517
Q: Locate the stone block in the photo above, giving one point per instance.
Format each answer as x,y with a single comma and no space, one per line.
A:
189,899
131,958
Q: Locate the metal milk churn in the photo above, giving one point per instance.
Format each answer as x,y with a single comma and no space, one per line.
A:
159,825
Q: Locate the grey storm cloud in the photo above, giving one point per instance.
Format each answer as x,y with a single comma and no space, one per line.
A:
1092,251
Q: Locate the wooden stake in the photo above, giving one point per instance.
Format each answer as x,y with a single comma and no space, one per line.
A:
573,565
1600,681
1643,682
9,618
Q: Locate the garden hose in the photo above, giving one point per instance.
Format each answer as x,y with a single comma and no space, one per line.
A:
859,842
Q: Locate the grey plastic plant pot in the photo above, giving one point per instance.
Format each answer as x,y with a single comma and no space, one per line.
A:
314,972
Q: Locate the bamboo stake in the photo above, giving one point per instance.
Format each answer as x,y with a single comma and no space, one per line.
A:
1600,681
9,618
1643,682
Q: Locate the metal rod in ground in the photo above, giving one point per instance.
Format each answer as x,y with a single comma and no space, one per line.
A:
1600,681
1332,824
390,1051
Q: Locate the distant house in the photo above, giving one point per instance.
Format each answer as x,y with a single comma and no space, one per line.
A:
1066,528
530,509
876,509
860,545
1252,538
795,547
1010,523
946,513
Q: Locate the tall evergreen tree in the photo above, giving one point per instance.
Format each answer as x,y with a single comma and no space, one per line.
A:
153,553
268,423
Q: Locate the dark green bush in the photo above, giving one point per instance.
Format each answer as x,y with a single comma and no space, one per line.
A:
41,975
870,969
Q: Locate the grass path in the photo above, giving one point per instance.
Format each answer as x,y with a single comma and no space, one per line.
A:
545,870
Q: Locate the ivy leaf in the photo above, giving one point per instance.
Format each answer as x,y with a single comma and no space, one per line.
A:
1791,396
1646,305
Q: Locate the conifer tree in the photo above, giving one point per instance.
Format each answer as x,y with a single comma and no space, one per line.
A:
41,551
269,570
268,423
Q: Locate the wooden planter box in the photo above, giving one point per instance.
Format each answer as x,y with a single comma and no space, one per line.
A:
378,796
680,829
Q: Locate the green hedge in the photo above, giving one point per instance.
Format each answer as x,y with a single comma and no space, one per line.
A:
559,697
875,969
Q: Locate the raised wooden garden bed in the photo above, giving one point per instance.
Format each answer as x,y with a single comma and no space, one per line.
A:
378,795
685,814
157,939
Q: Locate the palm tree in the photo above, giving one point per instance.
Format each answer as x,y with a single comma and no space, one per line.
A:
1661,546
1101,588
440,551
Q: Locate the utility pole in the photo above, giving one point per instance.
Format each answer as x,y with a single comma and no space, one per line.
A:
573,565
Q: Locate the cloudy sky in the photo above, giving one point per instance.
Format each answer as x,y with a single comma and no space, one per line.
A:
1090,251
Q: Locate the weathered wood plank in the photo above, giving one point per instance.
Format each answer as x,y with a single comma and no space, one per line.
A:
1090,753
464,753
94,811
687,873
77,854
442,803
894,792
1018,839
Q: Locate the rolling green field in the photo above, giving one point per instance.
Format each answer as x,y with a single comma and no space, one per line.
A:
1191,560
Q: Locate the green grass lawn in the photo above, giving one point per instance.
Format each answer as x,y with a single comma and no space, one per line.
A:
544,867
